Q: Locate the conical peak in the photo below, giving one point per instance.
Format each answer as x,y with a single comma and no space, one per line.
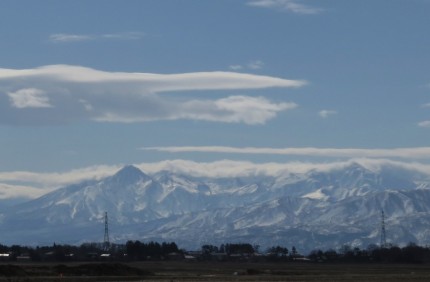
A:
129,168
128,174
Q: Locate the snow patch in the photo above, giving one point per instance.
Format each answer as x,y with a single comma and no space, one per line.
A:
316,195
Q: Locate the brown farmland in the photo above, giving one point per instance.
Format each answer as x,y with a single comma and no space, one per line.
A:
215,271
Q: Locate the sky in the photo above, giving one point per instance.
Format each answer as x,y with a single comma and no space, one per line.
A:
89,86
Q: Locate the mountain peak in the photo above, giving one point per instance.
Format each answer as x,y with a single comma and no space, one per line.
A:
129,168
355,165
129,174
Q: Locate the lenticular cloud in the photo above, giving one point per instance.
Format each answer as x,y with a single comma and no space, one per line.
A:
63,93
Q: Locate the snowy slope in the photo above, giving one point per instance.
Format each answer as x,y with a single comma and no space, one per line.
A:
317,209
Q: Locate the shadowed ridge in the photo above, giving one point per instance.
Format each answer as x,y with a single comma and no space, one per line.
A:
129,174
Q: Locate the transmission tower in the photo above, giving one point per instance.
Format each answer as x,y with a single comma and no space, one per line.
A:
106,243
383,235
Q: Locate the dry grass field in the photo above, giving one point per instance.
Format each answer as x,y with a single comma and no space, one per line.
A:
220,271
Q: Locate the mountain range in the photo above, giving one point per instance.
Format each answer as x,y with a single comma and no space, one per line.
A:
315,209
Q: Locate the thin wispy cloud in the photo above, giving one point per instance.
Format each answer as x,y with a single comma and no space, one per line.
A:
256,65
66,37
425,124
252,65
8,191
63,37
406,153
294,6
63,94
326,113
235,67
51,180
131,35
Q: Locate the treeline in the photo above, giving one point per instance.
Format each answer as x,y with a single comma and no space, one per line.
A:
411,253
137,250
132,250
247,252
55,252
230,249
140,251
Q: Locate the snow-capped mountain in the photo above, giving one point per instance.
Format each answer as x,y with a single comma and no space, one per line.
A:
316,209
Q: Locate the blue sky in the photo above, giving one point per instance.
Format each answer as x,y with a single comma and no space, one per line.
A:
105,83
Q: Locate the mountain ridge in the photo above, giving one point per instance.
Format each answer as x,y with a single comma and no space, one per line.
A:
313,209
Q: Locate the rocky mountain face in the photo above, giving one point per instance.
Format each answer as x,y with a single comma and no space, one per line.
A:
317,209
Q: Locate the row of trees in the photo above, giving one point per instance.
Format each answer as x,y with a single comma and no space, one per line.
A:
136,250
230,249
55,252
411,253
248,252
132,250
244,248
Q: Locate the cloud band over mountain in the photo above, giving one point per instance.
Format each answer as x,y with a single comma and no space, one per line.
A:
33,184
406,153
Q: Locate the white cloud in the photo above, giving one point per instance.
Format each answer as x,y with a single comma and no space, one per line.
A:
29,98
8,191
293,6
66,37
406,153
63,37
48,181
326,113
235,67
233,109
38,184
231,168
75,93
88,107
253,65
425,123
131,35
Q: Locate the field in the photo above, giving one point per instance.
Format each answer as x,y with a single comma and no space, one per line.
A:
219,271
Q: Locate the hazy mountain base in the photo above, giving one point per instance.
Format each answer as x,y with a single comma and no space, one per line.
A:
310,210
